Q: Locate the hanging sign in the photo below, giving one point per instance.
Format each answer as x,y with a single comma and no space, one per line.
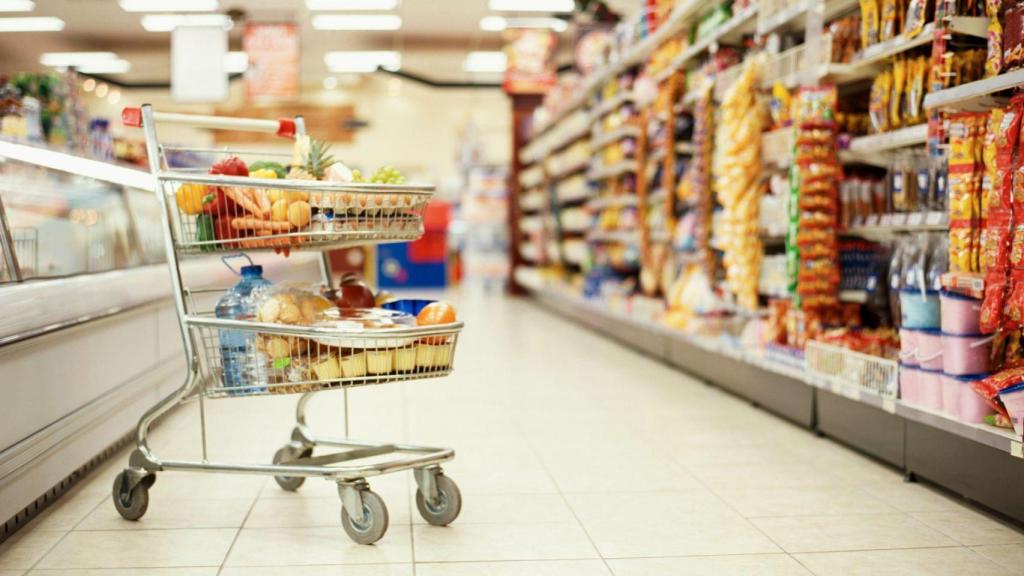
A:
273,51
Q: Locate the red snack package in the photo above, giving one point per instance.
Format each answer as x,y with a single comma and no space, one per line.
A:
995,249
992,304
1013,306
990,387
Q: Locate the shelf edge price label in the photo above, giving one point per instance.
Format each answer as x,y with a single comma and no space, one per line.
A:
915,219
889,405
1016,449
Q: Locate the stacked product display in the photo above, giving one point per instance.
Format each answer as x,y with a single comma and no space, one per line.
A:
834,209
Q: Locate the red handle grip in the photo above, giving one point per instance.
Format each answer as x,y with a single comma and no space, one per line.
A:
286,127
132,117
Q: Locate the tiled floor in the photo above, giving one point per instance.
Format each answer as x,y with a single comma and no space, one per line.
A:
576,457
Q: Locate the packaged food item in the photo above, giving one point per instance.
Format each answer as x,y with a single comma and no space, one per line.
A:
989,388
878,103
960,246
899,84
1013,29
994,54
915,18
869,23
889,20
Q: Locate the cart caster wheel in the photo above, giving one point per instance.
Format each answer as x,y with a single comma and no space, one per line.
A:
132,504
374,523
290,453
448,506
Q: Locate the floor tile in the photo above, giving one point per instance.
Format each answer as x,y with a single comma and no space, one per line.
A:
140,549
854,532
305,546
178,485
210,571
971,528
1010,556
922,562
484,542
12,572
699,536
313,512
337,570
516,568
511,509
71,509
807,501
913,496
746,565
26,547
169,513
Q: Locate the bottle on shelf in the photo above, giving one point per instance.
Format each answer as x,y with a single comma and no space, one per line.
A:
241,362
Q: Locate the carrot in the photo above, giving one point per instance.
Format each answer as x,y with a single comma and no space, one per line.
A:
243,200
261,199
260,225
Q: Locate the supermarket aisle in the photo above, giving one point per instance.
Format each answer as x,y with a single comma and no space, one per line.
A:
575,457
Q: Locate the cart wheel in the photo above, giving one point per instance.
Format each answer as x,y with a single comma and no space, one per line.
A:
375,519
290,453
449,502
132,504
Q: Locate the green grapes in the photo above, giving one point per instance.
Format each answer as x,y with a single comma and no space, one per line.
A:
385,175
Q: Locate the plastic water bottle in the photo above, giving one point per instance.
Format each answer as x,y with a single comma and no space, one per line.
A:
243,366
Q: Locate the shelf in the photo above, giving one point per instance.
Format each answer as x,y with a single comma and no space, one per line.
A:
535,151
1001,439
571,170
889,225
729,32
674,24
611,105
631,237
621,133
612,201
571,196
977,95
685,148
532,202
618,169
876,148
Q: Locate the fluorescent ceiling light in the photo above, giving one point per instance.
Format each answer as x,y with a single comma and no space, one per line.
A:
484,62
168,22
236,62
362,61
31,24
499,23
65,59
169,5
17,5
357,22
532,5
116,66
351,4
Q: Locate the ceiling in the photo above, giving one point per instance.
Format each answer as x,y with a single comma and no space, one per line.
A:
434,38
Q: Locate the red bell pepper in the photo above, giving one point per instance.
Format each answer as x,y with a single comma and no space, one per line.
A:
230,166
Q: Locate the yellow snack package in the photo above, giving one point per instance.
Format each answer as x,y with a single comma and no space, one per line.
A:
878,104
868,23
899,83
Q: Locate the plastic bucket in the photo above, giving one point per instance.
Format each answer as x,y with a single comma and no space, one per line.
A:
950,396
960,314
929,349
909,380
1013,399
919,309
963,355
929,394
971,407
908,346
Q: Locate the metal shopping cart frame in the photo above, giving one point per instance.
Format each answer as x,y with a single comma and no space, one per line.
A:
362,214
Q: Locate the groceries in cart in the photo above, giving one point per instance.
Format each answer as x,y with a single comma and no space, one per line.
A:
236,213
352,344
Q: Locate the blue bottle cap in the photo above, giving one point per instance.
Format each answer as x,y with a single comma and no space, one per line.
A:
254,269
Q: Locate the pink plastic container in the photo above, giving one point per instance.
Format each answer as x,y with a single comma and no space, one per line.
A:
1013,399
929,349
960,314
929,393
966,354
909,379
908,346
971,408
950,396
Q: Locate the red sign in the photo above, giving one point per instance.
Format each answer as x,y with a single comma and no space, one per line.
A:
273,51
530,67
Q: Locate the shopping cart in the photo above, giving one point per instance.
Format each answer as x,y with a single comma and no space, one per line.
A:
285,358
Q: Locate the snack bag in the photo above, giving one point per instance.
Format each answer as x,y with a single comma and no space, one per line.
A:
878,103
915,18
992,304
868,23
889,24
899,83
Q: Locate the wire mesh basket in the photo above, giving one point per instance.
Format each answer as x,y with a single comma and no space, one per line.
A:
243,358
843,366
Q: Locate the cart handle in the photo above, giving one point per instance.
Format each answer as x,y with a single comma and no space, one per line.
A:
284,127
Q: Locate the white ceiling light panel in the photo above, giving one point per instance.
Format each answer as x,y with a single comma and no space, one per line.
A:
357,22
485,62
31,24
168,22
369,61
17,5
499,23
169,5
550,6
351,4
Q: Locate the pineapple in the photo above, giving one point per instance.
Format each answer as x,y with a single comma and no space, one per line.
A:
312,160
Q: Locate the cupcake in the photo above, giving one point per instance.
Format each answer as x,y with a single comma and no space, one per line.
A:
405,359
327,369
379,361
353,366
425,356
